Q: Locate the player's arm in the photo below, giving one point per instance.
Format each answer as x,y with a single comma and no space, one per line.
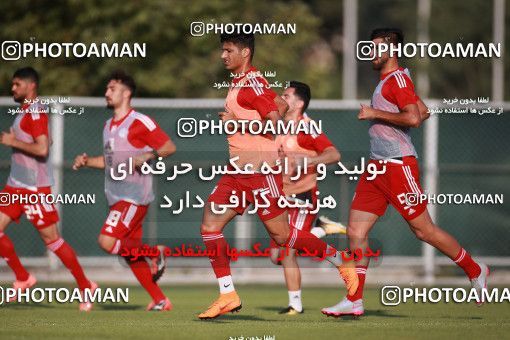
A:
327,153
424,110
84,160
39,148
167,149
270,107
152,136
398,90
330,155
275,116
281,104
409,116
272,116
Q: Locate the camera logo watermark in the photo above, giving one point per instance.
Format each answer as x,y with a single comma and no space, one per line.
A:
5,199
190,127
11,50
45,199
395,295
63,295
199,28
369,50
15,50
365,50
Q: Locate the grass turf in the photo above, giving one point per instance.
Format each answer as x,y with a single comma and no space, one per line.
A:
258,317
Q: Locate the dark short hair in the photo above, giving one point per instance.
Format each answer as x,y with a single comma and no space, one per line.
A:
27,73
302,90
125,79
240,40
390,35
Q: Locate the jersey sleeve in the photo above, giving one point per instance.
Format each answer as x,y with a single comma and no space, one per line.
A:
314,142
35,124
256,96
399,90
142,134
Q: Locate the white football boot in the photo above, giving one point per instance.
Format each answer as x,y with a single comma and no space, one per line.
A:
345,307
480,282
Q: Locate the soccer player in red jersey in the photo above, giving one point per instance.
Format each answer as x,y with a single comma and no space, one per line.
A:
250,99
394,110
129,135
317,149
32,173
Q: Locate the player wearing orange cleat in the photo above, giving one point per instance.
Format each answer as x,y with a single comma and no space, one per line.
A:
250,99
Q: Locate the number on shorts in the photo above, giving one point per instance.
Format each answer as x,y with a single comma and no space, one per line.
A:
113,218
32,210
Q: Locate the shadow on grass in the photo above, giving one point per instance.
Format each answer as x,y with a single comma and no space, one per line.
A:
463,317
271,308
229,318
377,312
119,307
372,312
25,305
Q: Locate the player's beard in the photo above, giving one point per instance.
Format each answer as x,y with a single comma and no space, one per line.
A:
18,99
378,66
110,106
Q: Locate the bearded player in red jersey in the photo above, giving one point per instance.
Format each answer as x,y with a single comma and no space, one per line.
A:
129,134
32,173
394,110
250,99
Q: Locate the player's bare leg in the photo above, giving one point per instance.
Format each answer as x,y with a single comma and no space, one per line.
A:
425,230
55,243
292,274
140,269
24,279
211,230
279,230
288,259
360,224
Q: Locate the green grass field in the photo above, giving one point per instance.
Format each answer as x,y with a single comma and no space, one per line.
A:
257,318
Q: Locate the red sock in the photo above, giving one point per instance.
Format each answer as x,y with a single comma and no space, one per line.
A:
9,254
470,267
68,257
362,272
143,274
215,243
300,240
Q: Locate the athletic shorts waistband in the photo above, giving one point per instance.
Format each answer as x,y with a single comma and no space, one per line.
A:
397,160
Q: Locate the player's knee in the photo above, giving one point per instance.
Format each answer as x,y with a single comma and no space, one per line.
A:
105,243
275,256
47,239
280,238
49,234
424,234
4,221
355,233
289,259
208,228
